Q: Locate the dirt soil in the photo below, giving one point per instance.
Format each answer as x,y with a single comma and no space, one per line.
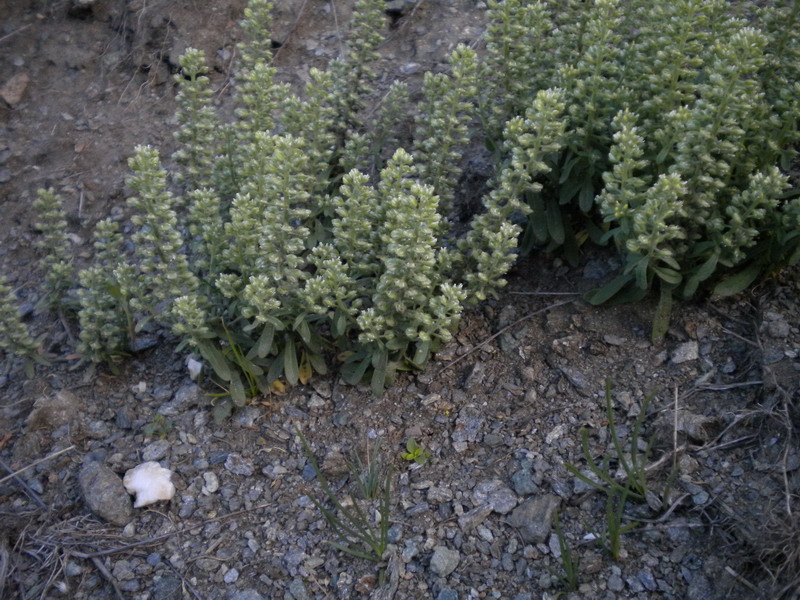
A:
501,410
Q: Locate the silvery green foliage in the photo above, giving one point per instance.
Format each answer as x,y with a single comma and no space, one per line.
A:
104,313
286,253
364,150
678,112
162,268
199,126
492,241
55,261
412,302
442,123
511,70
14,336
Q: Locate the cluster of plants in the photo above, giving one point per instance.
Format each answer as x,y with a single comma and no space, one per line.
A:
300,236
681,122
297,236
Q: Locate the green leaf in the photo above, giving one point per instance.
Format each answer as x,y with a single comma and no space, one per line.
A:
608,291
216,359
640,272
264,344
339,325
318,363
705,271
668,275
276,367
663,310
290,367
586,196
422,353
304,331
555,222
739,282
537,219
380,366
353,369
236,390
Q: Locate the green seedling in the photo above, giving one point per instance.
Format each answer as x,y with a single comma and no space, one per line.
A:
158,429
414,452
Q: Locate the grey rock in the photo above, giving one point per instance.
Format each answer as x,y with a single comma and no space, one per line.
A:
578,380
155,450
298,590
238,465
778,328
104,493
496,494
447,594
534,518
187,395
700,588
523,482
231,576
438,495
685,352
647,580
470,520
444,560
615,583
248,594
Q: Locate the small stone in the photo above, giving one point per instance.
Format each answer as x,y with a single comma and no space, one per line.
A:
231,576
104,493
210,483
496,494
298,590
447,594
444,561
523,482
155,450
534,518
778,329
647,580
685,352
249,594
195,367
578,380
167,588
439,495
14,89
238,465
470,520
615,583
153,559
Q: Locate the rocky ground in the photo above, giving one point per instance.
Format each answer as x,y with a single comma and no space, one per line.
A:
500,410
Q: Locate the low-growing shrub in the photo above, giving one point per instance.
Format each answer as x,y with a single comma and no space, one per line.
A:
681,122
269,252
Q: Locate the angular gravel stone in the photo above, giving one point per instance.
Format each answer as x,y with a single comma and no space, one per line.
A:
470,520
155,450
447,594
167,588
523,483
685,352
534,518
104,493
496,494
444,560
238,466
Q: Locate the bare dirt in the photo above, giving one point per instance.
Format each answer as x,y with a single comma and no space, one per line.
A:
500,410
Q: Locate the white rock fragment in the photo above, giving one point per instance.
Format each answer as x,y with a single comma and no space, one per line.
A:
150,482
195,367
